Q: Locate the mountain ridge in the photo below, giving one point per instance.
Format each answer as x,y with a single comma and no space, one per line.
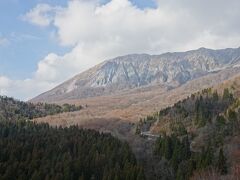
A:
139,70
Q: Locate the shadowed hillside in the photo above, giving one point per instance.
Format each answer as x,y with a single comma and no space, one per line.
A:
31,151
197,135
12,109
38,151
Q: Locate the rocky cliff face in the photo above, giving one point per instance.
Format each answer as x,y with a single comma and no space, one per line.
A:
137,70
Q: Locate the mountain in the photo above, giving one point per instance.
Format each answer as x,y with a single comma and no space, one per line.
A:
115,103
169,70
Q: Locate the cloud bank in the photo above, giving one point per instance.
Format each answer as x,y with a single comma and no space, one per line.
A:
97,32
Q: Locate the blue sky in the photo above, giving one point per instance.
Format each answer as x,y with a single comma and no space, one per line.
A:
45,42
27,44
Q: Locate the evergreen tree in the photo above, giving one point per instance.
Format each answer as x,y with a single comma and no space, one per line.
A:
221,163
37,151
138,130
226,94
215,96
141,175
220,122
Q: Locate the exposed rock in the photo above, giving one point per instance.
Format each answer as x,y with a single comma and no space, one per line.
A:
127,72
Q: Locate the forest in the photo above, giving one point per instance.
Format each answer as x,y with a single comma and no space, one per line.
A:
12,109
37,151
196,139
198,134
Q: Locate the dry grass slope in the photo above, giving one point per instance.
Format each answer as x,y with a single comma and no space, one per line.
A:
107,112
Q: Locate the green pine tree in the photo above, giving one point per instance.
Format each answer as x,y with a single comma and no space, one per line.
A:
221,163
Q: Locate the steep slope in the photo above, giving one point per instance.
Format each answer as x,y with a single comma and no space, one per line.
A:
114,112
188,103
139,70
198,135
104,112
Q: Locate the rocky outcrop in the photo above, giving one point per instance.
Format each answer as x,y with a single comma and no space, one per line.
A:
138,70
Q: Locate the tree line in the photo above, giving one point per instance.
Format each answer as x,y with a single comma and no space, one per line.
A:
38,151
12,109
208,117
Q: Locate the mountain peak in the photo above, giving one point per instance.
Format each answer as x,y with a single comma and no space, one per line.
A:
137,70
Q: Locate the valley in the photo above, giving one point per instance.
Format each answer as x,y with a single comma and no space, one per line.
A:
119,90
120,111
133,114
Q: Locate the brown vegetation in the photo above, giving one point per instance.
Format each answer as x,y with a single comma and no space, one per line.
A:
131,105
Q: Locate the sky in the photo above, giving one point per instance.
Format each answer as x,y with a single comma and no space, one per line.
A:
45,42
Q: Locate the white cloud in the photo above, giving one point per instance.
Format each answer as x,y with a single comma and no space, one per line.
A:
23,89
41,15
97,32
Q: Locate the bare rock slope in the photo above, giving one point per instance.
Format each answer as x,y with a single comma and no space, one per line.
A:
169,70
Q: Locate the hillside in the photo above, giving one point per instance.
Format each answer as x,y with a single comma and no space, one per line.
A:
31,151
118,110
119,113
198,135
12,109
106,112
201,141
139,70
38,151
